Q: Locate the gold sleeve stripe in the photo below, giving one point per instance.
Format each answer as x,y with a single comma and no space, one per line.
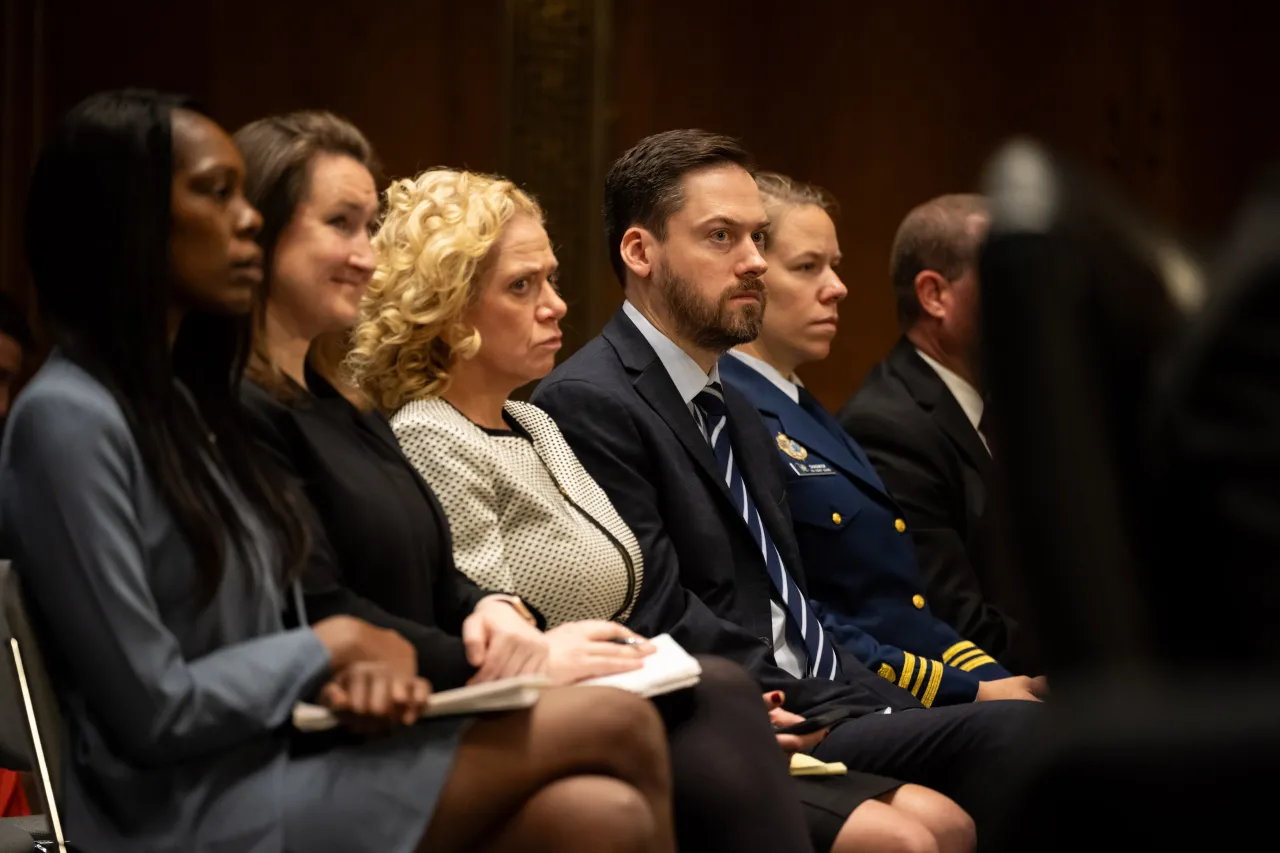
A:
977,662
959,660
886,672
908,667
924,667
955,650
935,681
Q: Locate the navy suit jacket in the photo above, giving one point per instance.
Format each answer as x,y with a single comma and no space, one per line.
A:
863,577
705,579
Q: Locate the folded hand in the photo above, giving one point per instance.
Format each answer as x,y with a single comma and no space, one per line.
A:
501,644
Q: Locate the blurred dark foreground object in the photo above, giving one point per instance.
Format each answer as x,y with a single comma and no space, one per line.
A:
1139,394
1147,764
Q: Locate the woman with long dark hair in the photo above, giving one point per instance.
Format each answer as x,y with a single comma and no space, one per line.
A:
158,549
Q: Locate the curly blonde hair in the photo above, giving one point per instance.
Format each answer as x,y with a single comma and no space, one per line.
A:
432,246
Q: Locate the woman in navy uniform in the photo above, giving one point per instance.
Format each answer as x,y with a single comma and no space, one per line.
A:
862,568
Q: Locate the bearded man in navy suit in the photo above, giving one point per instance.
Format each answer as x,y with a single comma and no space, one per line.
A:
689,466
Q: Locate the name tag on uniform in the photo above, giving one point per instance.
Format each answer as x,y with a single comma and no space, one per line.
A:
812,469
799,458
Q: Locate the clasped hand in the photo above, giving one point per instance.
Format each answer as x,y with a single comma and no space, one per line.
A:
375,684
501,644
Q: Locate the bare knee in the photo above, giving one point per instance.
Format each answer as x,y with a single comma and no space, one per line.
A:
912,837
951,825
877,827
955,830
901,836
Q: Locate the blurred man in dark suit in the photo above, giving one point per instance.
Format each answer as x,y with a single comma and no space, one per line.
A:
924,423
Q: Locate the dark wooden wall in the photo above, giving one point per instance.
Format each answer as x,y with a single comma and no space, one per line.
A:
885,104
888,104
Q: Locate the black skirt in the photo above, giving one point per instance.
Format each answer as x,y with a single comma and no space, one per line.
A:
829,800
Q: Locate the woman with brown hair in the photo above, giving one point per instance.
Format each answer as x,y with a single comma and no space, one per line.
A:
383,546
517,777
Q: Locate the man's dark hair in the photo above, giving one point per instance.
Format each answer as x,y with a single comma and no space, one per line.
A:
643,185
933,236
13,323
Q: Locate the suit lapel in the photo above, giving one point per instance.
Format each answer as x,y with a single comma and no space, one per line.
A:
800,425
654,384
928,389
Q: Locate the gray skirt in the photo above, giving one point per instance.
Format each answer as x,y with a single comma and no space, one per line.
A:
375,795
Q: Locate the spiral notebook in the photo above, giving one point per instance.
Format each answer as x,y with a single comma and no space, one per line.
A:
668,669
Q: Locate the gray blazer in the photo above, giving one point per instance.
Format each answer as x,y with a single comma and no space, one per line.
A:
175,710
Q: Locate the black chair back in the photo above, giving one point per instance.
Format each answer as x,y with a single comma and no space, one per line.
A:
36,731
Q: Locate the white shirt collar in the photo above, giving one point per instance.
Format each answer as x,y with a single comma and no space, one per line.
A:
790,387
966,395
683,370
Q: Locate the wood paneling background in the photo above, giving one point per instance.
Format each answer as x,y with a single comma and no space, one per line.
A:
885,104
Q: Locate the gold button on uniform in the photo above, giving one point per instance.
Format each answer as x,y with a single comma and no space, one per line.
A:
835,517
918,601
900,525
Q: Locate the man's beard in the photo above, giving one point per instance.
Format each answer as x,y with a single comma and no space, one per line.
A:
711,327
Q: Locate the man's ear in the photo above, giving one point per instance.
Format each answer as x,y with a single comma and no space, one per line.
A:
931,291
637,250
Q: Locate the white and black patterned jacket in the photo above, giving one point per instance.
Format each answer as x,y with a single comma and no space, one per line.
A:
526,517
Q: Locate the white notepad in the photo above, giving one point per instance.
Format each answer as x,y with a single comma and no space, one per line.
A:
505,694
668,669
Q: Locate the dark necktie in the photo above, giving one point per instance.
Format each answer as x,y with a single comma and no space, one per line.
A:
822,657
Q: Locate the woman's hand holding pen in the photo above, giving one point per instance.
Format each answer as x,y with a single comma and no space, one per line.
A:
593,648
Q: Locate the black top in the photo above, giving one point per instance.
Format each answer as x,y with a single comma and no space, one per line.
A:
381,548
513,430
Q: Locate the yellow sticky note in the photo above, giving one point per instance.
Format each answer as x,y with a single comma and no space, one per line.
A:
807,765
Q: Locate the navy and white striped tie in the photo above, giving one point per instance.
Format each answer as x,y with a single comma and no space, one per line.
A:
715,419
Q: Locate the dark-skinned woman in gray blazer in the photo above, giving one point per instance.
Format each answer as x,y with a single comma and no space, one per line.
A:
157,549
